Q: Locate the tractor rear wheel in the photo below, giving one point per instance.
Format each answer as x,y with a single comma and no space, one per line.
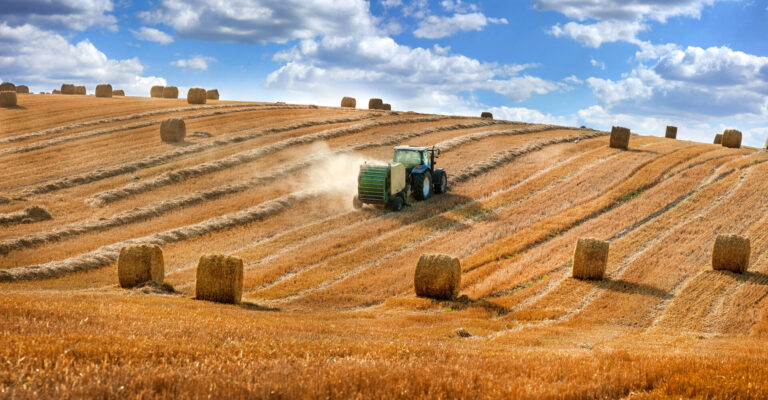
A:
422,185
441,182
396,203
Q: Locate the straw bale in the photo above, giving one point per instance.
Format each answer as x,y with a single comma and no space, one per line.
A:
8,99
350,102
219,279
67,88
731,253
486,115
212,94
196,96
386,106
140,263
619,137
118,92
375,104
671,132
589,259
437,276
7,87
718,138
23,89
80,90
104,90
732,138
56,91
156,91
170,92
173,130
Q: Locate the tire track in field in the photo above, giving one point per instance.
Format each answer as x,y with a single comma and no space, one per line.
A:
107,254
171,177
159,159
159,208
89,134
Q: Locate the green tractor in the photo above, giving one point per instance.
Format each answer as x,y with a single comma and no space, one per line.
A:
412,170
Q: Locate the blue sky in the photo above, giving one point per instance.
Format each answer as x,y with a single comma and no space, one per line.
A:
699,64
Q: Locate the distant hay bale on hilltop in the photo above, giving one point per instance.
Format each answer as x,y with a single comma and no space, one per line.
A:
67,88
173,130
156,91
731,138
170,92
212,94
56,91
766,143
619,138
437,276
118,92
219,279
22,89
386,107
8,99
80,90
104,90
196,96
718,138
590,258
349,102
7,87
671,132
486,115
730,253
140,263
375,104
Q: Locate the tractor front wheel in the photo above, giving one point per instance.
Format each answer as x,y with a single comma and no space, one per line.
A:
441,181
422,185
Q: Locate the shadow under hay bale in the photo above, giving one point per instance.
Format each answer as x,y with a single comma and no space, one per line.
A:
7,87
732,139
718,139
619,138
349,102
22,89
730,253
67,88
118,92
386,107
671,132
141,263
80,90
196,96
437,276
219,279
212,94
104,90
173,130
375,104
590,258
486,115
156,91
170,92
8,99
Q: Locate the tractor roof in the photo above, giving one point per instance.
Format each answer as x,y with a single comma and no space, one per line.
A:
412,148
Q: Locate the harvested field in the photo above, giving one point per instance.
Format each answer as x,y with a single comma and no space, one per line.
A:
323,295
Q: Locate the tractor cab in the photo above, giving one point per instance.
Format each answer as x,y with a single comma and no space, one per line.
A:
413,156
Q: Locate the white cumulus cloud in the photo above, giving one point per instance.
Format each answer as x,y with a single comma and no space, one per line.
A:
434,27
196,62
152,35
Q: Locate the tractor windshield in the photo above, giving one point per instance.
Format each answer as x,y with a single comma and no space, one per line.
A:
409,158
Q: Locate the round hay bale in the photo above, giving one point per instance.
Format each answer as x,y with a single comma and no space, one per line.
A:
731,253
38,213
8,99
156,91
196,96
486,115
386,107
349,102
80,90
619,137
671,132
766,143
437,276
140,263
590,258
173,130
67,88
7,87
732,138
170,92
219,279
212,94
22,89
718,138
104,90
56,91
118,92
375,104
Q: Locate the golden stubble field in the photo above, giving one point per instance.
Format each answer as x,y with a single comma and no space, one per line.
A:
329,309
